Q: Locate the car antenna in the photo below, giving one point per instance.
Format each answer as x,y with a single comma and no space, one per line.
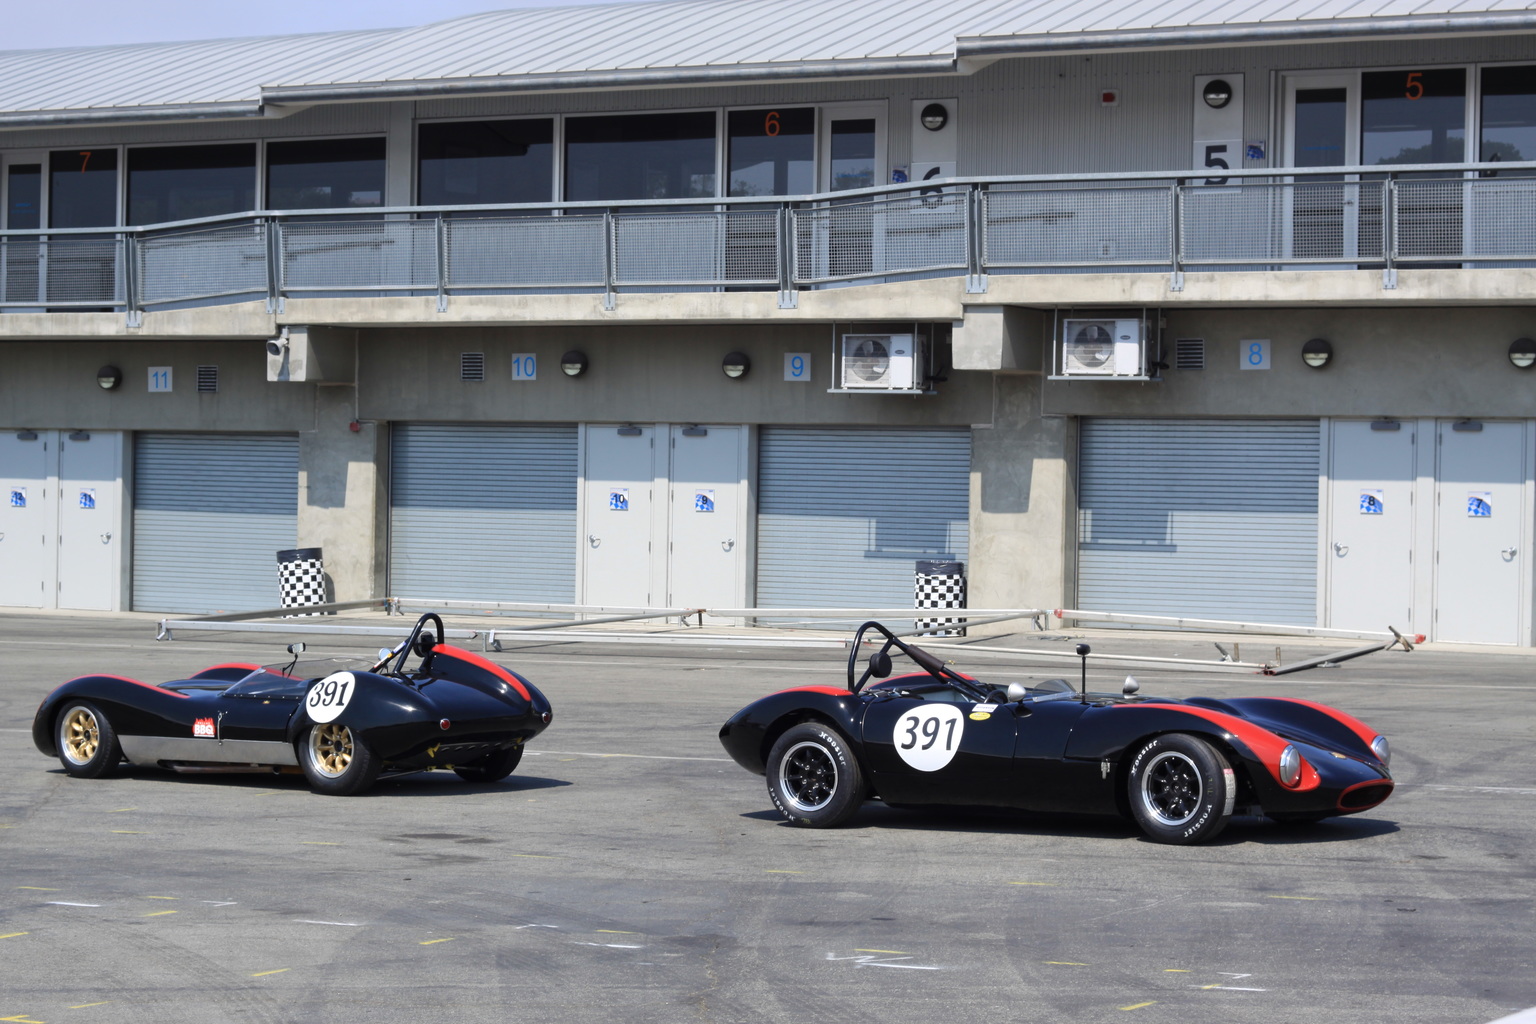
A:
1082,652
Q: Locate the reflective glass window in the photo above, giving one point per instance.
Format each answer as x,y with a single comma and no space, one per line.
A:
853,153
167,183
464,163
640,156
772,152
24,197
1509,114
1413,117
82,188
325,174
1320,132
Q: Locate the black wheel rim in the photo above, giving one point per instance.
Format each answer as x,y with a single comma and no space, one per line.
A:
807,776
1171,788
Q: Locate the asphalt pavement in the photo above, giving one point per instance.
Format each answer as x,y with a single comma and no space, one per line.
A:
629,871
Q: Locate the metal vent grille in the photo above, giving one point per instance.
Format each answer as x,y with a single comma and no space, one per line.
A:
1189,354
472,366
208,378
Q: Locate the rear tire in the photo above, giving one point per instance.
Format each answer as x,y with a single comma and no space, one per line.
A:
492,767
814,778
336,761
88,747
1181,789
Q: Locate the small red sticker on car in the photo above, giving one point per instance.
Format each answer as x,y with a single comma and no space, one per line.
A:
203,727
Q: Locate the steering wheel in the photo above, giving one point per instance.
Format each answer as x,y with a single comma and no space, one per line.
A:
880,663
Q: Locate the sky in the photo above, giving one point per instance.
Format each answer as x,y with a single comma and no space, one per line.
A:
40,24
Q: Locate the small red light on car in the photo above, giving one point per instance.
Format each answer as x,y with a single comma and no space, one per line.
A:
546,716
444,724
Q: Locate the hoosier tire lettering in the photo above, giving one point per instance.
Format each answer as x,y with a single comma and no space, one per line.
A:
1178,789
814,778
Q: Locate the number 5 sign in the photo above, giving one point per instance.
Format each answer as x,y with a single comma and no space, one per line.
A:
1218,124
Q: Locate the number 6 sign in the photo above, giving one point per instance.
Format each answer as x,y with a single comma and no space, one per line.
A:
328,698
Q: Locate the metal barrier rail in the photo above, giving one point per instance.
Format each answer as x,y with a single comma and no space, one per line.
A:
1157,221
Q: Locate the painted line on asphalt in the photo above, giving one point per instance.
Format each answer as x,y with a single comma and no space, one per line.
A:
1472,789
62,903
127,832
162,913
338,924
14,935
120,810
162,897
263,974
1050,884
433,942
87,1006
613,931
1140,1006
1064,963
897,952
646,757
1318,898
22,1018
781,871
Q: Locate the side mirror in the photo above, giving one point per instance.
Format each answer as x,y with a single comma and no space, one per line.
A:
880,664
385,653
1131,686
1017,692
297,648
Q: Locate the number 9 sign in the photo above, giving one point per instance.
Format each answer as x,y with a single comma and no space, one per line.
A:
328,698
927,737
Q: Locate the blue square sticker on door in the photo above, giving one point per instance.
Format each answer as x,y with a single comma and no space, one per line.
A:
1480,504
1371,503
18,497
618,500
88,497
703,501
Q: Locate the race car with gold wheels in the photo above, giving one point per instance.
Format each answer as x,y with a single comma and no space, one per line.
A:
343,727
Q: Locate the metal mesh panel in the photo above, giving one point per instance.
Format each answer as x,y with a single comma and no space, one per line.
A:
359,255
1429,214
696,248
525,252
1281,222
1078,226
1501,217
890,236
20,270
83,270
204,263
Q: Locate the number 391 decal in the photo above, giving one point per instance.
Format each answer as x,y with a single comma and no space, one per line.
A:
328,698
927,737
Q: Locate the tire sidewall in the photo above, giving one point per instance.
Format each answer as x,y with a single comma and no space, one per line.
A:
1210,815
107,753
493,767
848,791
359,774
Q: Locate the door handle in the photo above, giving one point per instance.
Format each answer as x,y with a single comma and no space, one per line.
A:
727,545
1340,549
1509,554
106,538
593,539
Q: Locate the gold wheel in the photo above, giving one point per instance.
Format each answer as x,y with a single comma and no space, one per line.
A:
331,749
80,735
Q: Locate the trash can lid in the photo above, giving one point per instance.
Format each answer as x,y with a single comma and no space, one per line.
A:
299,555
937,567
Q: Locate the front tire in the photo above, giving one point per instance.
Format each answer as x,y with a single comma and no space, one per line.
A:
336,761
492,767
814,778
88,747
1181,789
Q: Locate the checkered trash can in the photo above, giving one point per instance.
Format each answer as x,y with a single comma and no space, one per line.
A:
301,579
939,585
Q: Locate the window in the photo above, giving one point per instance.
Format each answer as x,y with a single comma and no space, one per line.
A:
325,174
771,152
24,197
1413,117
852,154
464,163
1509,114
82,188
640,156
182,182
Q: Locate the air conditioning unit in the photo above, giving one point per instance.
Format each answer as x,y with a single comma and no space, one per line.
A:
884,362
1102,348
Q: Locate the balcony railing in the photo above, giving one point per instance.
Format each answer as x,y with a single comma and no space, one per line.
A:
1343,217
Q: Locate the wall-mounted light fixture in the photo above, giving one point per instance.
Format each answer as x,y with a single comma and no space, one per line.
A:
1317,353
736,365
80,435
109,377
694,430
1522,353
934,117
629,430
26,435
1467,426
573,363
1217,93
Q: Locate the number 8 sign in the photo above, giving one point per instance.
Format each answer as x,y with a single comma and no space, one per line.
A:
928,737
329,697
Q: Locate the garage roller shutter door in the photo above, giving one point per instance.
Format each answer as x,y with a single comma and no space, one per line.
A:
483,512
1211,519
210,513
844,513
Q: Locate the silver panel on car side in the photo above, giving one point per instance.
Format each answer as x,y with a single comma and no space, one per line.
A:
151,749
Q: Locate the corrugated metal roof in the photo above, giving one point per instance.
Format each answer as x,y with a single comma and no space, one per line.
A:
632,44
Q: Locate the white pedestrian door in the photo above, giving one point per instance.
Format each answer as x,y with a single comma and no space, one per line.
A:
27,518
706,553
1370,525
90,550
618,483
1479,517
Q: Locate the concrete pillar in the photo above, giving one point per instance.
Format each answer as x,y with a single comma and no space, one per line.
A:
399,154
1023,503
341,495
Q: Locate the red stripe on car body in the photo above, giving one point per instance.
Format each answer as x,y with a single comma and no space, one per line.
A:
1266,746
469,657
831,691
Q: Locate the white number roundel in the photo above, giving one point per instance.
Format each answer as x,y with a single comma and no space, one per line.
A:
927,736
328,698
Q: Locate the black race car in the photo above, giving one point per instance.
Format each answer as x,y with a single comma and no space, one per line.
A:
342,728
1179,768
